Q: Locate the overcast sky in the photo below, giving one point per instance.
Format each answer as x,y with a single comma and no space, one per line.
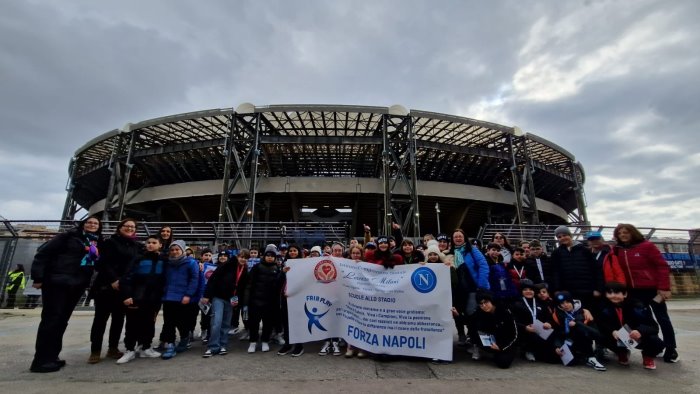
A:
617,83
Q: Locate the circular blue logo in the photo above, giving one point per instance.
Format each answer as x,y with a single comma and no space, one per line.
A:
424,280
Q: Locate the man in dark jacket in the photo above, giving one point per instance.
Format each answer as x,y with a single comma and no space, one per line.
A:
574,269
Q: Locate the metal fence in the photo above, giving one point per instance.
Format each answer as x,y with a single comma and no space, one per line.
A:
19,240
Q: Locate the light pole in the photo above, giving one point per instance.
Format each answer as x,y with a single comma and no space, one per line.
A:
437,214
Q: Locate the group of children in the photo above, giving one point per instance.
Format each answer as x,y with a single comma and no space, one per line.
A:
514,315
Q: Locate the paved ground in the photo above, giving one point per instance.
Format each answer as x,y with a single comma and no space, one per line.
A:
267,372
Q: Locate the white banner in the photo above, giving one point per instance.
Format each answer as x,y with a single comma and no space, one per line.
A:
400,311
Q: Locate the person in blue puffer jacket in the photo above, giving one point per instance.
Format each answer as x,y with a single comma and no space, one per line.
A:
181,286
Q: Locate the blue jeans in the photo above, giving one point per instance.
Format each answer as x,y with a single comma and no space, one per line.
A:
220,315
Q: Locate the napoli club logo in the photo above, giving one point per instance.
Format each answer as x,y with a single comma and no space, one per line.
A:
325,271
424,280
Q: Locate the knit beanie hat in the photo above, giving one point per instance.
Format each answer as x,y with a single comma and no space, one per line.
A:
434,249
317,249
432,242
270,249
180,244
382,239
526,284
562,296
562,230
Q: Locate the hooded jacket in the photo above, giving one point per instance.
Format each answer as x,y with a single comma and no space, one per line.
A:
575,270
145,280
181,279
264,287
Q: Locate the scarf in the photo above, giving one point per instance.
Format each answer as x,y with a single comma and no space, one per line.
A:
91,252
459,256
569,318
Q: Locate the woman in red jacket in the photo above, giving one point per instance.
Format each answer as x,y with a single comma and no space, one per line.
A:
648,279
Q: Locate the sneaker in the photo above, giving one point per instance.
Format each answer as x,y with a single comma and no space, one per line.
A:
336,349
593,363
150,353
623,358
298,350
279,339
529,356
648,362
361,354
342,343
349,353
462,340
476,353
160,347
671,356
205,336
114,353
265,347
169,351
284,350
94,358
222,351
234,331
128,356
251,347
207,354
325,349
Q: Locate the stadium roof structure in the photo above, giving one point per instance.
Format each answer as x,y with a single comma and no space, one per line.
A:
413,160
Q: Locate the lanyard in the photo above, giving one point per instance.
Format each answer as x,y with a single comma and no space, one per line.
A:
619,316
520,273
533,310
239,272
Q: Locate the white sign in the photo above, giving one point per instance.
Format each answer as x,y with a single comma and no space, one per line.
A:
399,311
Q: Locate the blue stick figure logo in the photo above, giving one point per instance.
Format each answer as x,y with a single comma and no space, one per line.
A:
424,280
314,317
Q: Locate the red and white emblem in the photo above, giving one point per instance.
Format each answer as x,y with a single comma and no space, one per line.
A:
325,271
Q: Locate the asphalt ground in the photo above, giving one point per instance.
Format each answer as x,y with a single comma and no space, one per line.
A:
268,372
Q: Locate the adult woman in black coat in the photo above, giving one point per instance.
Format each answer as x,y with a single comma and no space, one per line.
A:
62,269
118,252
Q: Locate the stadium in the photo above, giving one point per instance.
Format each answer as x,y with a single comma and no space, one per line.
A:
327,163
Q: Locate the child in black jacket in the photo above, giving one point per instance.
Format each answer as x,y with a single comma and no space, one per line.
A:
574,328
619,311
142,290
498,323
263,292
527,310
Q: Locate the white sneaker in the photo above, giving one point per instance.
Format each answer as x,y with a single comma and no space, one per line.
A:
595,364
476,353
529,356
265,347
325,349
251,347
149,353
279,338
128,356
336,349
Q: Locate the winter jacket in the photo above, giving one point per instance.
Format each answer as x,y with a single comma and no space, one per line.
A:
517,272
501,282
500,324
644,267
225,282
533,272
264,287
117,254
58,261
562,332
181,279
145,280
523,312
612,271
634,314
474,273
414,258
575,270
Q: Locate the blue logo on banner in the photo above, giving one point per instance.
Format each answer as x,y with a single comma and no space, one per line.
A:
314,318
424,280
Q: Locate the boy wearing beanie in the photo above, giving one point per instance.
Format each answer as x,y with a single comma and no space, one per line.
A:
262,295
574,328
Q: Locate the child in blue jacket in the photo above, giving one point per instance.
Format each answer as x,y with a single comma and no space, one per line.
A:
181,285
